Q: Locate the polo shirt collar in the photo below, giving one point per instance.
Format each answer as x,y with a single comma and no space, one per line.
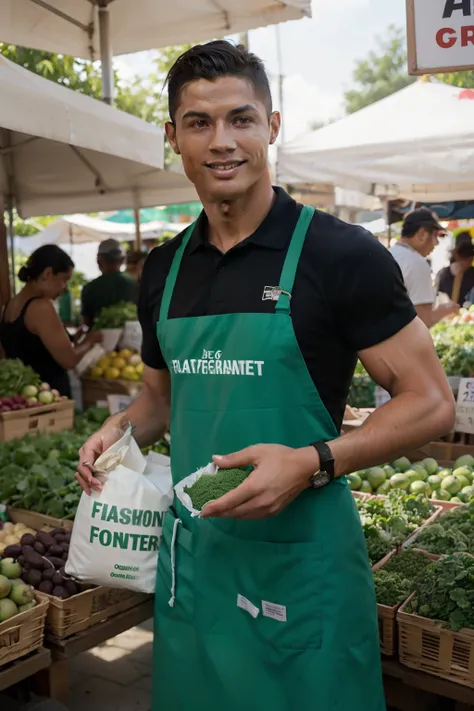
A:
273,233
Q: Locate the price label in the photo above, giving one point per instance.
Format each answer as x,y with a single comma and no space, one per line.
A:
465,407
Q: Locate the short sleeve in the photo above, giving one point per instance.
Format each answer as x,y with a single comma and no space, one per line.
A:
419,283
148,310
372,301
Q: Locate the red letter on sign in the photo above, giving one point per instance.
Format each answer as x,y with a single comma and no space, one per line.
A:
467,35
443,41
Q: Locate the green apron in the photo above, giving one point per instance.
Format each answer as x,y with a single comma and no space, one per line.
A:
272,615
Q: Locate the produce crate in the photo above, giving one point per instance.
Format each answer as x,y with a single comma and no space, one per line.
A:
96,390
88,608
387,617
409,543
425,645
45,418
39,522
445,453
23,633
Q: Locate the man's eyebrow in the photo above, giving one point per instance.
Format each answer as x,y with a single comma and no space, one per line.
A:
204,115
196,114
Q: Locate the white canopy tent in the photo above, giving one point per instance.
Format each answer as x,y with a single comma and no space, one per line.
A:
82,229
63,152
93,29
417,144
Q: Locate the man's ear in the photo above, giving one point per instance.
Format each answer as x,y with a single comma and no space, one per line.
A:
275,125
170,129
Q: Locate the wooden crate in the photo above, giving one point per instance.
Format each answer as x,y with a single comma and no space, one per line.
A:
39,522
386,617
88,608
21,669
427,646
45,418
23,633
96,390
445,453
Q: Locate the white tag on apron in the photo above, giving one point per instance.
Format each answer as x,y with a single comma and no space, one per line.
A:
245,604
276,612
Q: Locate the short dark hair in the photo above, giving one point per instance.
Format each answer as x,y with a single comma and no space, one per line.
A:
135,256
464,250
212,61
463,238
49,255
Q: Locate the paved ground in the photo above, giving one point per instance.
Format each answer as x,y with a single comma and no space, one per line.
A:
115,676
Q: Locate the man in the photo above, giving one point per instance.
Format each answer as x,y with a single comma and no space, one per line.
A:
135,261
419,238
111,287
457,280
253,319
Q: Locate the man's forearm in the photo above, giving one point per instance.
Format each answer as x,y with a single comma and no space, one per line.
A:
148,413
404,423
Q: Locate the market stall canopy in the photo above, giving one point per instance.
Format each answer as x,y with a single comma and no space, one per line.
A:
80,229
63,152
72,26
417,144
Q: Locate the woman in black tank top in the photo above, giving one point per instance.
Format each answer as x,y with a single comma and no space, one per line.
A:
30,328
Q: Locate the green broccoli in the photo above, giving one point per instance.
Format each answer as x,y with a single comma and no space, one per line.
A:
213,486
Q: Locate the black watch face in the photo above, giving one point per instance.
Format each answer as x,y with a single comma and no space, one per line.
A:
320,479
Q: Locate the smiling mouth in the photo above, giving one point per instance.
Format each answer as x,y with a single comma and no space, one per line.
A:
225,166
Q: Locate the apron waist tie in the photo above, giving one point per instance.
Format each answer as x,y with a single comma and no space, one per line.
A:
173,562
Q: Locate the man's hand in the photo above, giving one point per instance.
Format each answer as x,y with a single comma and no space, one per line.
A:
280,474
90,451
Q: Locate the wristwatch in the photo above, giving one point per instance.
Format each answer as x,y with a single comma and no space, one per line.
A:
325,475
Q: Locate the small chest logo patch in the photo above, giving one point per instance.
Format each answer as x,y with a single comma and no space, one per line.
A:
271,293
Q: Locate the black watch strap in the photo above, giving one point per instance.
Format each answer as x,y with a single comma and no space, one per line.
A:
326,459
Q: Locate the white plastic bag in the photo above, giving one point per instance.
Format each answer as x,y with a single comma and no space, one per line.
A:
117,532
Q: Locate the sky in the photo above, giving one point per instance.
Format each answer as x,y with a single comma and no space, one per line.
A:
318,56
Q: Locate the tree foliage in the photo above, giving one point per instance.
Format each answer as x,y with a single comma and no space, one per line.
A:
383,72
461,79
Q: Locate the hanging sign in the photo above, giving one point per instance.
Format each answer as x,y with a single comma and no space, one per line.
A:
465,406
440,36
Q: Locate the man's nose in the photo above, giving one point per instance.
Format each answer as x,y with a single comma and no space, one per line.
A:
222,140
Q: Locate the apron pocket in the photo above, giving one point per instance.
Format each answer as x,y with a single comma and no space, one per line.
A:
175,579
255,592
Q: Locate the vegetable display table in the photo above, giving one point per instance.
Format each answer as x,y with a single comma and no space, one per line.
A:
54,681
411,690
24,668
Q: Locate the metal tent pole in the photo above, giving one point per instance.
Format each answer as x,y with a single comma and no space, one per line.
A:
138,234
11,231
106,53
5,291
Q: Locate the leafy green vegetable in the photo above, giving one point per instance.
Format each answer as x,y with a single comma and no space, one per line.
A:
391,588
37,472
212,486
115,316
445,592
453,532
408,563
14,376
455,347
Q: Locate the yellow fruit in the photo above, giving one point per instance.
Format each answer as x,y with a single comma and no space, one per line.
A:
128,372
118,363
19,527
139,368
112,373
103,362
97,371
11,540
112,354
135,359
125,353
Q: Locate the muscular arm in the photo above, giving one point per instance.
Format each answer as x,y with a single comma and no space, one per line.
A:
150,411
421,409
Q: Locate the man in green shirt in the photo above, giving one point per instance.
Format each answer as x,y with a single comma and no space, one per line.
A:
109,289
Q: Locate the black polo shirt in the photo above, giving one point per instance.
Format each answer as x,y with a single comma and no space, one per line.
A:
348,293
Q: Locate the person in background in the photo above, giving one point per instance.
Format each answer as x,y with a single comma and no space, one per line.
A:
419,238
134,264
31,329
457,280
112,287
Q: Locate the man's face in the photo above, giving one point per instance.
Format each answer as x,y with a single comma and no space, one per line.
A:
426,240
222,131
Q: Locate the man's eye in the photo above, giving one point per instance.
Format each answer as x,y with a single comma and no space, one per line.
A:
200,123
243,120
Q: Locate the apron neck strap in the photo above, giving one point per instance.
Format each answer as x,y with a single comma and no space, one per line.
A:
173,273
293,255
